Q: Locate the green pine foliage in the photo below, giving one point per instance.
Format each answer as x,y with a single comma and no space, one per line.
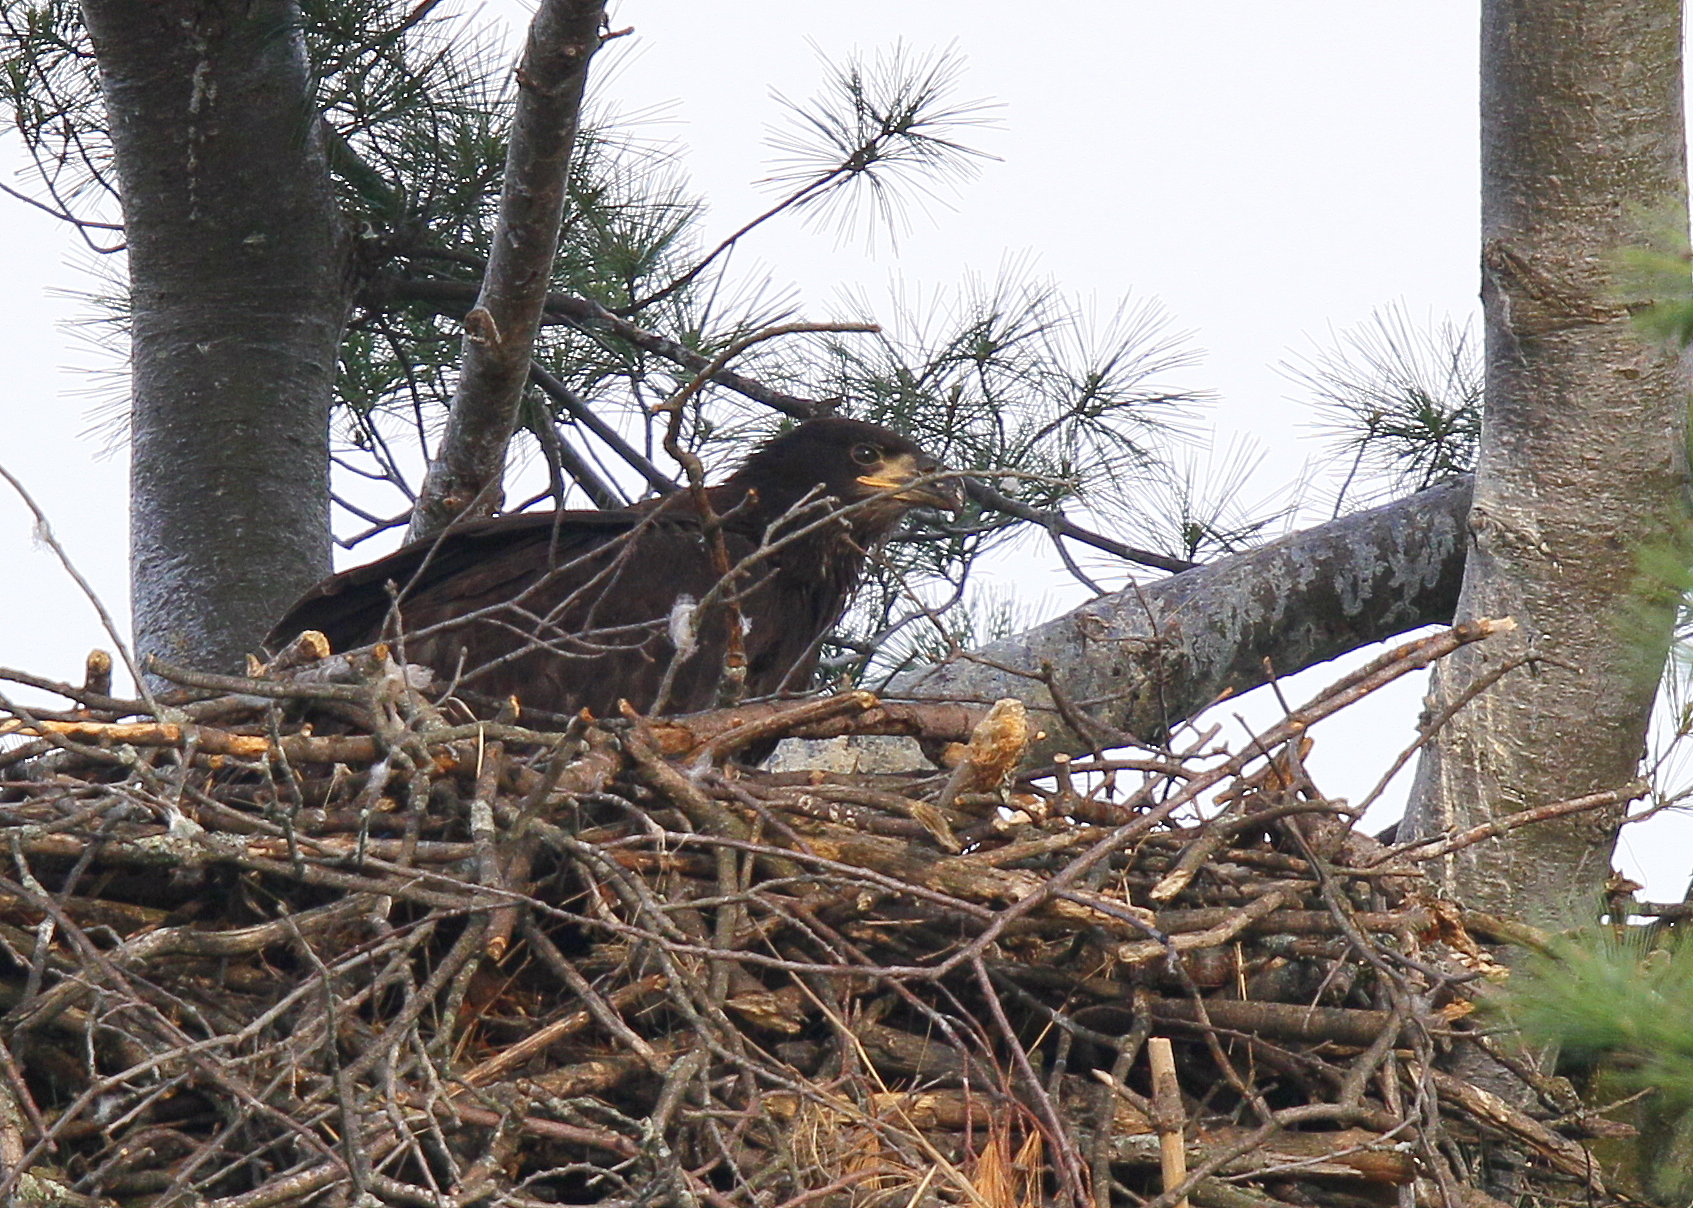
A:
1077,411
1618,997
1616,1005
1399,403
50,90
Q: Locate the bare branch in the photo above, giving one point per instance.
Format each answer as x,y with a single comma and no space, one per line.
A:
584,415
1061,526
1144,658
450,297
499,336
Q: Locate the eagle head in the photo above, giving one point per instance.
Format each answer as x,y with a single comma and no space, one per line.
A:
877,470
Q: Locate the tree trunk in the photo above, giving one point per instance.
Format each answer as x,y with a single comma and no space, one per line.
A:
1581,486
238,296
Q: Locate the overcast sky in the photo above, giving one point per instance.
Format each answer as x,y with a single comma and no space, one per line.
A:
1271,174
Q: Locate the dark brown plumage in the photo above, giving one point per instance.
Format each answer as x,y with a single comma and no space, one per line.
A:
572,610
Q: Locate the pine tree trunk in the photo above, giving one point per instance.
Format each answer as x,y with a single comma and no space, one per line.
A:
238,297
1582,481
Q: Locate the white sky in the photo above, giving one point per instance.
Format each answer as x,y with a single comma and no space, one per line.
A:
1271,173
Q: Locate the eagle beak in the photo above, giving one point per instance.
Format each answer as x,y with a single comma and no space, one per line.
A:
898,472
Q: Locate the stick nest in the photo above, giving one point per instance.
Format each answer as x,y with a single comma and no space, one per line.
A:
307,938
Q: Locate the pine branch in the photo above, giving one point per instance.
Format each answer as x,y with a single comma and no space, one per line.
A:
499,336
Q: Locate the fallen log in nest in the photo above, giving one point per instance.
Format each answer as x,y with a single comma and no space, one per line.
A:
311,938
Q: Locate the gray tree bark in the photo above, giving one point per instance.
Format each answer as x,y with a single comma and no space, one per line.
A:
499,332
1138,661
238,297
1582,480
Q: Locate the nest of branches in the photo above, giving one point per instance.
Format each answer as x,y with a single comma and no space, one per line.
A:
310,938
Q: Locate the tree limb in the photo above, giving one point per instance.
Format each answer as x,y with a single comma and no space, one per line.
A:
1060,525
499,332
1145,658
584,415
449,297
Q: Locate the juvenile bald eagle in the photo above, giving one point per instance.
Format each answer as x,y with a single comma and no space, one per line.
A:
572,610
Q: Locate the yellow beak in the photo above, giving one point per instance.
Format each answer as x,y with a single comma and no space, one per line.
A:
898,472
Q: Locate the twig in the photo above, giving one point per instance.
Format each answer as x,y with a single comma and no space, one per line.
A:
44,531
1440,845
1168,1114
585,415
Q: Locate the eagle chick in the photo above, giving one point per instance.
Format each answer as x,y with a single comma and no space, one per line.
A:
573,610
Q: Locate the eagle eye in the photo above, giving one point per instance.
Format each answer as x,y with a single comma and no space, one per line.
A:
866,455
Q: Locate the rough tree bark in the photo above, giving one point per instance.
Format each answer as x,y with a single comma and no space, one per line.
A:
237,297
1140,660
499,331
1582,479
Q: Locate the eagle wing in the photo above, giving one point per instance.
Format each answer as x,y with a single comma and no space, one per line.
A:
572,610
577,610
